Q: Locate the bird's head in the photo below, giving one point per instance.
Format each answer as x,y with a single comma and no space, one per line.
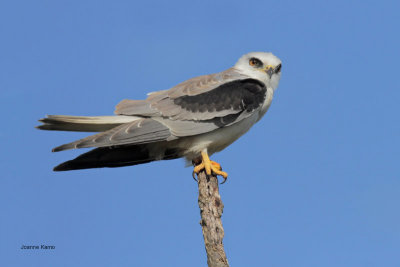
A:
261,65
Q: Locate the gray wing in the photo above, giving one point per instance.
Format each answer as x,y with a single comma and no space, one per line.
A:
201,98
222,106
141,131
203,84
227,99
165,117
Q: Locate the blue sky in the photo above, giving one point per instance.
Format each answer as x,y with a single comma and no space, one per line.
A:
315,183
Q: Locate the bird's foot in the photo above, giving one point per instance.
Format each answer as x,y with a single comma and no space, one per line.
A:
210,167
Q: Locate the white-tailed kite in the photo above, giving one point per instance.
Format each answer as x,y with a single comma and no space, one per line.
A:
193,120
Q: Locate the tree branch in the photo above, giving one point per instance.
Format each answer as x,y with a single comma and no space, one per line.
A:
211,208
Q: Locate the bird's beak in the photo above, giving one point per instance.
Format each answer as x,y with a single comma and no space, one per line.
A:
269,70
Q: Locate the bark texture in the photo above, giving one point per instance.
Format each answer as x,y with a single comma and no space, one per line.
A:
211,208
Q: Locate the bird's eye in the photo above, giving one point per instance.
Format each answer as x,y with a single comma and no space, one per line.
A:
278,68
255,62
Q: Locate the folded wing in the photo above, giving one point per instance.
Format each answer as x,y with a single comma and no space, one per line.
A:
197,106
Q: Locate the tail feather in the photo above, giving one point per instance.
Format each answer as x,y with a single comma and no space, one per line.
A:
83,123
115,157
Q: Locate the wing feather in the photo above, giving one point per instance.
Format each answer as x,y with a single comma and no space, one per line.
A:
199,105
138,107
162,103
205,83
138,132
227,99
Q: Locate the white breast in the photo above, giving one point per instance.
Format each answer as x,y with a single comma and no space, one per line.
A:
219,139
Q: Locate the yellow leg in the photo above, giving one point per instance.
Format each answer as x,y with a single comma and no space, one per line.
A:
209,166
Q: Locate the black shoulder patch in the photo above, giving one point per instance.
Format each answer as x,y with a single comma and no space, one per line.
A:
238,95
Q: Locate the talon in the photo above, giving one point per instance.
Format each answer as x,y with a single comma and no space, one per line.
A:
210,167
194,176
225,178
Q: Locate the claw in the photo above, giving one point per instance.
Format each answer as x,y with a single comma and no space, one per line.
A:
194,176
210,167
225,178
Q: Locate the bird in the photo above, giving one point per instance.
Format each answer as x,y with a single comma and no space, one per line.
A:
192,120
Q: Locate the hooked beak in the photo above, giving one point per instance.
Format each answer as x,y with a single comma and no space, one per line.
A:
269,70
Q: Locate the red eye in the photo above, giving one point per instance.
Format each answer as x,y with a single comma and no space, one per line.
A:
255,62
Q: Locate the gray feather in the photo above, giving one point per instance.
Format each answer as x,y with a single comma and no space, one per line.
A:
162,103
205,83
188,128
138,132
135,107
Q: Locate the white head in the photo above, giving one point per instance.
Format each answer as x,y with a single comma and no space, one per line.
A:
261,65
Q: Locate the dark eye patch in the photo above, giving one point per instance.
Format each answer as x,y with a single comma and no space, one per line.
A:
255,62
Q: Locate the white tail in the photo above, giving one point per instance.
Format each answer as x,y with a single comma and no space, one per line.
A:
83,123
